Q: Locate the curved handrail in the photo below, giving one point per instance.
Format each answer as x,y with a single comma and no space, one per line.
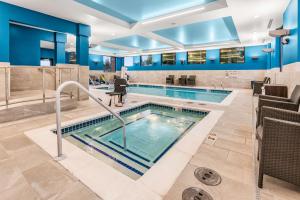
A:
58,111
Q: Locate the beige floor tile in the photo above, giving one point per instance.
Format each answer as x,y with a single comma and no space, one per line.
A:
281,190
3,154
19,191
77,191
30,157
10,175
240,159
233,146
15,143
48,180
9,131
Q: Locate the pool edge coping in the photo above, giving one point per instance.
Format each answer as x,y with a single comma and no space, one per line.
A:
150,185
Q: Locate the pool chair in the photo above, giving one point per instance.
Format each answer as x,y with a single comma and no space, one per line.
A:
278,145
291,103
170,80
257,85
182,80
120,90
191,80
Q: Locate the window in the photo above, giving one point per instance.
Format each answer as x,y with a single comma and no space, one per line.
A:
169,58
232,55
197,57
146,60
45,62
128,61
109,64
72,57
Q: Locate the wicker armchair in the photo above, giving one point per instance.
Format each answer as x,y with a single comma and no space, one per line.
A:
183,80
257,85
191,80
170,80
279,102
279,145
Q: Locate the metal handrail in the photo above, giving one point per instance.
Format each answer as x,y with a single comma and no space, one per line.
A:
42,69
58,114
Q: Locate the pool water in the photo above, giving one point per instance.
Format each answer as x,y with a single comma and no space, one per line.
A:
150,132
216,96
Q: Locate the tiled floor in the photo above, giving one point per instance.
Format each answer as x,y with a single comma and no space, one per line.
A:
27,172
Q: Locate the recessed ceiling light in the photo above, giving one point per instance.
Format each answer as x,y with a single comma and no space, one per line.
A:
174,15
113,34
256,16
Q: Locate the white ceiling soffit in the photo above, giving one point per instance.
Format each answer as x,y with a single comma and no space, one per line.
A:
251,18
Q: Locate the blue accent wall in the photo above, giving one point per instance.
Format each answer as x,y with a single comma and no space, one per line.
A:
212,61
291,21
47,53
25,45
275,56
11,13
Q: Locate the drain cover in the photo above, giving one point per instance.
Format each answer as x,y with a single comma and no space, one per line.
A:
194,193
207,176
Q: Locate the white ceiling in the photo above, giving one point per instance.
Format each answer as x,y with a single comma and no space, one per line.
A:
251,18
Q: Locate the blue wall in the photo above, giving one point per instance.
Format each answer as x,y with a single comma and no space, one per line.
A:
291,21
274,57
250,64
25,45
11,13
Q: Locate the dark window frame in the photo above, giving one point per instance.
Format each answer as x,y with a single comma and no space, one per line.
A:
162,60
141,61
188,62
244,53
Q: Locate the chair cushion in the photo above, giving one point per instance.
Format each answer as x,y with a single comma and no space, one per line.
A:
259,133
295,97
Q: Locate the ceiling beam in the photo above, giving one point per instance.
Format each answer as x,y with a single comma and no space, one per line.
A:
115,46
164,40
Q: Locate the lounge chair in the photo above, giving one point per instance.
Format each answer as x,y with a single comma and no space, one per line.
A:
120,90
278,142
257,85
182,80
191,80
279,102
170,80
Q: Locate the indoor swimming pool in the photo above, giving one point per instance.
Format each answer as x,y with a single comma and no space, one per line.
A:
151,130
183,93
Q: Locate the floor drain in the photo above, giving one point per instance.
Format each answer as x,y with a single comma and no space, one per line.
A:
194,193
207,176
202,104
133,101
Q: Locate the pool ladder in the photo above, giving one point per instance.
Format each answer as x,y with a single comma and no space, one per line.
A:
58,114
